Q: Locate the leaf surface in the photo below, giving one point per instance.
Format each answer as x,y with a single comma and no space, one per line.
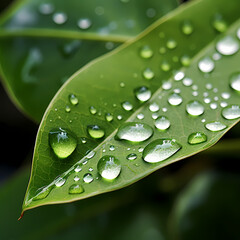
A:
103,86
43,44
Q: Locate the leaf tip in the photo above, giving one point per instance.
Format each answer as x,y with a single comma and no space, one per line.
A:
21,216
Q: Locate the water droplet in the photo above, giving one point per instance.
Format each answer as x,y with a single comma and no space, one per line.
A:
42,193
140,116
134,132
166,85
127,106
146,52
225,95
216,56
151,12
160,150
67,109
162,123
209,86
195,93
83,140
119,117
76,178
111,148
232,112
122,84
142,93
153,107
235,81
90,154
195,108
227,46
84,23
62,142
148,74
165,66
140,149
131,156
59,18
213,105
164,109
223,104
109,117
70,48
215,126
88,178
187,82
73,99
219,23
60,182
171,44
185,60
95,131
206,65
78,168
179,75
175,99
207,100
90,169
92,110
196,138
187,27
46,8
109,45
155,115
162,50
75,189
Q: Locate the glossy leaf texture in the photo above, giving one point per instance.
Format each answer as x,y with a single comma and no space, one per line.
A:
121,134
42,43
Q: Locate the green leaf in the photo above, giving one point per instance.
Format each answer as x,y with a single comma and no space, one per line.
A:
37,55
103,86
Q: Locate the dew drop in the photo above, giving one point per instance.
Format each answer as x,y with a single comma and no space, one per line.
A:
83,140
76,179
67,109
146,52
60,182
111,148
187,82
185,60
109,167
162,123
142,93
155,115
59,18
162,50
216,56
227,46
223,104
42,193
225,95
179,75
215,126
213,106
62,142
92,110
140,149
165,66
160,150
88,178
46,8
75,189
175,99
148,74
95,131
119,117
84,23
70,48
90,154
171,44
219,23
195,108
207,100
235,81
109,117
127,106
134,132
131,156
78,168
140,116
153,107
232,112
73,99
187,27
206,65
196,138
166,85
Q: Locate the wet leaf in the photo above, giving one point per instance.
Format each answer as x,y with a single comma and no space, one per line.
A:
173,124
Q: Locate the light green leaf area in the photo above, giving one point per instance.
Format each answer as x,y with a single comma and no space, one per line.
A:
97,136
42,43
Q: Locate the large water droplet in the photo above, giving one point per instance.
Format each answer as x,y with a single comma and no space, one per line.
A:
84,23
162,123
131,156
160,150
227,46
75,189
235,81
88,178
195,108
206,65
59,18
95,131
219,23
232,112
42,193
134,132
73,99
109,167
196,138
62,142
187,27
148,74
146,52
142,93
215,126
175,99
127,106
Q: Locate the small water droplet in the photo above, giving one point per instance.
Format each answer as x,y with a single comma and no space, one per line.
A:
146,52
162,50
75,189
162,123
187,82
232,112
140,116
73,99
195,108
153,107
134,132
131,156
59,18
42,193
185,60
60,182
111,148
213,105
166,85
219,23
62,142
95,131
90,169
109,167
227,45
160,150
223,104
187,27
215,126
140,149
206,65
235,81
119,117
46,8
209,86
155,115
165,66
164,109
127,106
148,74
196,138
142,93
83,140
151,12
179,75
67,109
109,117
88,178
90,154
92,110
78,168
76,178
225,95
207,100
171,44
84,23
175,99
216,56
